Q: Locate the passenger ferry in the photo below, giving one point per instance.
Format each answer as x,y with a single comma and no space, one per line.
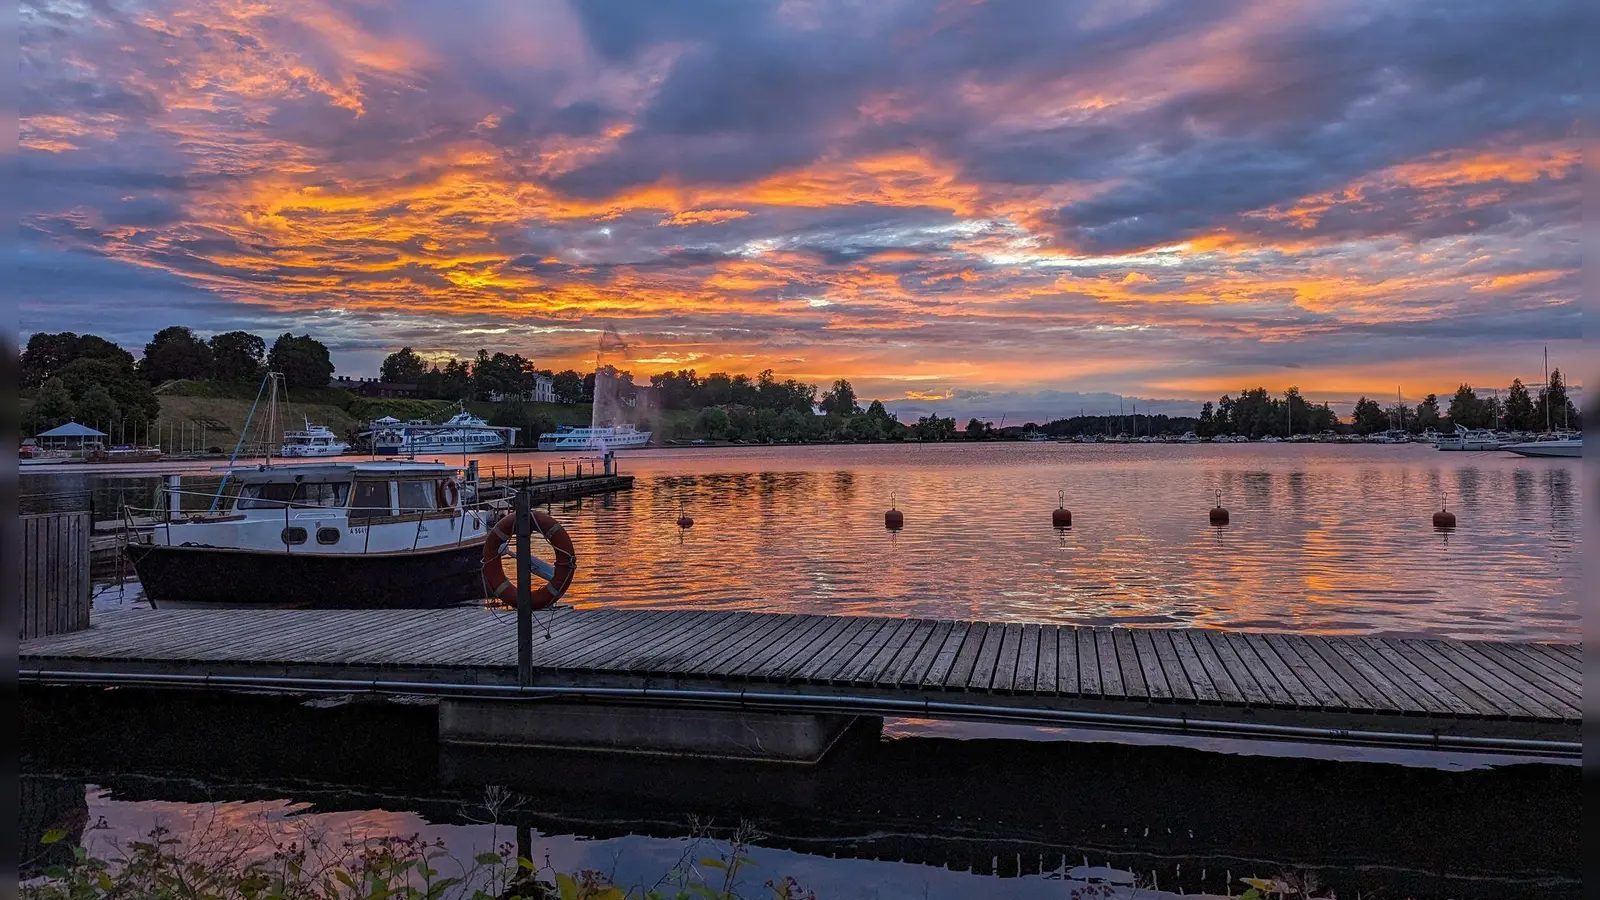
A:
314,440
620,437
461,433
332,535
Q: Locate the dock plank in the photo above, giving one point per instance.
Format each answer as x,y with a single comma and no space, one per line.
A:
1371,695
1485,703
1133,683
913,672
800,651
1272,647
1105,648
1046,679
1025,675
967,656
851,645
902,670
1507,687
1272,681
1530,678
1182,684
1155,677
1559,677
734,660
1228,691
824,649
1005,664
737,633
1088,663
988,662
945,658
875,654
767,662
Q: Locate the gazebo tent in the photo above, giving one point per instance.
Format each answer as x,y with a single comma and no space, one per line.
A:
70,436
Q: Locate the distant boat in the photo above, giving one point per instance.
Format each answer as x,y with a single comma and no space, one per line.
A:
620,437
1563,447
1471,439
314,440
1036,436
1189,437
124,453
461,433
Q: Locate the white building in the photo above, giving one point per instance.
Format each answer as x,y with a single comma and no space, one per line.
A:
544,391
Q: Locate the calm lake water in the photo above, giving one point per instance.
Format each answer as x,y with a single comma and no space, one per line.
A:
1332,539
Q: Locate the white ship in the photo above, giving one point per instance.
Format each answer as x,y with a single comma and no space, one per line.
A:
620,437
1550,445
314,440
461,433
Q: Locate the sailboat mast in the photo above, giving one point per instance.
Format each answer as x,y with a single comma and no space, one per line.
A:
1547,388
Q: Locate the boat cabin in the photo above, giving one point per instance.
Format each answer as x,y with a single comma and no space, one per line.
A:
368,491
337,508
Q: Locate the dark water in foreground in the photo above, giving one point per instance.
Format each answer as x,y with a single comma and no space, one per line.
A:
902,816
1333,539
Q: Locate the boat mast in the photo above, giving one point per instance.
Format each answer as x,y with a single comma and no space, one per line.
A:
1547,388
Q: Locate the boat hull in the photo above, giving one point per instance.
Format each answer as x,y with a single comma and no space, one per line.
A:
213,576
1564,450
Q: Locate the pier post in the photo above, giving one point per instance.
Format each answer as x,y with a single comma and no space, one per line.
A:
524,589
54,577
174,496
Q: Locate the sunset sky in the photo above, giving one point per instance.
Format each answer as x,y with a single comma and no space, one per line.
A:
985,207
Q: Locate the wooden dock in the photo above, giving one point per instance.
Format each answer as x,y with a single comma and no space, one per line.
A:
1486,696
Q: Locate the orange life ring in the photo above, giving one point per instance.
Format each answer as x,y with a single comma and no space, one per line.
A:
449,493
501,586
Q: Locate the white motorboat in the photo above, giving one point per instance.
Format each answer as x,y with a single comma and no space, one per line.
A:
323,535
619,437
312,441
1035,436
1560,446
1471,439
31,454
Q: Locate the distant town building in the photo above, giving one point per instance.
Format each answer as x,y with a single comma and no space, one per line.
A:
543,391
372,387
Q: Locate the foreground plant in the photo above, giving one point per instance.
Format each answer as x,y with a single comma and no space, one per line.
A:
389,868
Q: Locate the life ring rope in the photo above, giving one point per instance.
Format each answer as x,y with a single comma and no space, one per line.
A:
501,586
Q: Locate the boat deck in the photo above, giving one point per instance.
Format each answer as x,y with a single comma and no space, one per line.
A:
1464,695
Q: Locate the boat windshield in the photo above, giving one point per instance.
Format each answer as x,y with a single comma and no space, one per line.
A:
275,495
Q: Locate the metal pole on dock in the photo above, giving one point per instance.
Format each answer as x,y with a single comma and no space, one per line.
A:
524,589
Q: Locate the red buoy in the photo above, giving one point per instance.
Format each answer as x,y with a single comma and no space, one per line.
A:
1061,517
894,519
683,518
1444,518
1219,516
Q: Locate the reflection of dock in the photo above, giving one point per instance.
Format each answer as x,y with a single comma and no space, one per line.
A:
685,667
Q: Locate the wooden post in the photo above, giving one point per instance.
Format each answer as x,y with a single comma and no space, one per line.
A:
524,589
55,587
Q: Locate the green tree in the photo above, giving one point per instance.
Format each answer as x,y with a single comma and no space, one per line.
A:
1519,407
933,428
793,425
977,429
136,403
175,353
1427,414
403,366
1369,417
96,405
840,400
864,428
516,414
1465,408
568,386
1207,426
712,423
54,406
237,356
303,361
46,354
1555,409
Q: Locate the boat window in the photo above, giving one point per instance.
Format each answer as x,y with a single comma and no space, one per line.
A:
416,496
327,535
294,534
322,494
372,499
269,495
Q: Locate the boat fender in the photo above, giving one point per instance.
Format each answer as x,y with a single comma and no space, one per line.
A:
501,586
